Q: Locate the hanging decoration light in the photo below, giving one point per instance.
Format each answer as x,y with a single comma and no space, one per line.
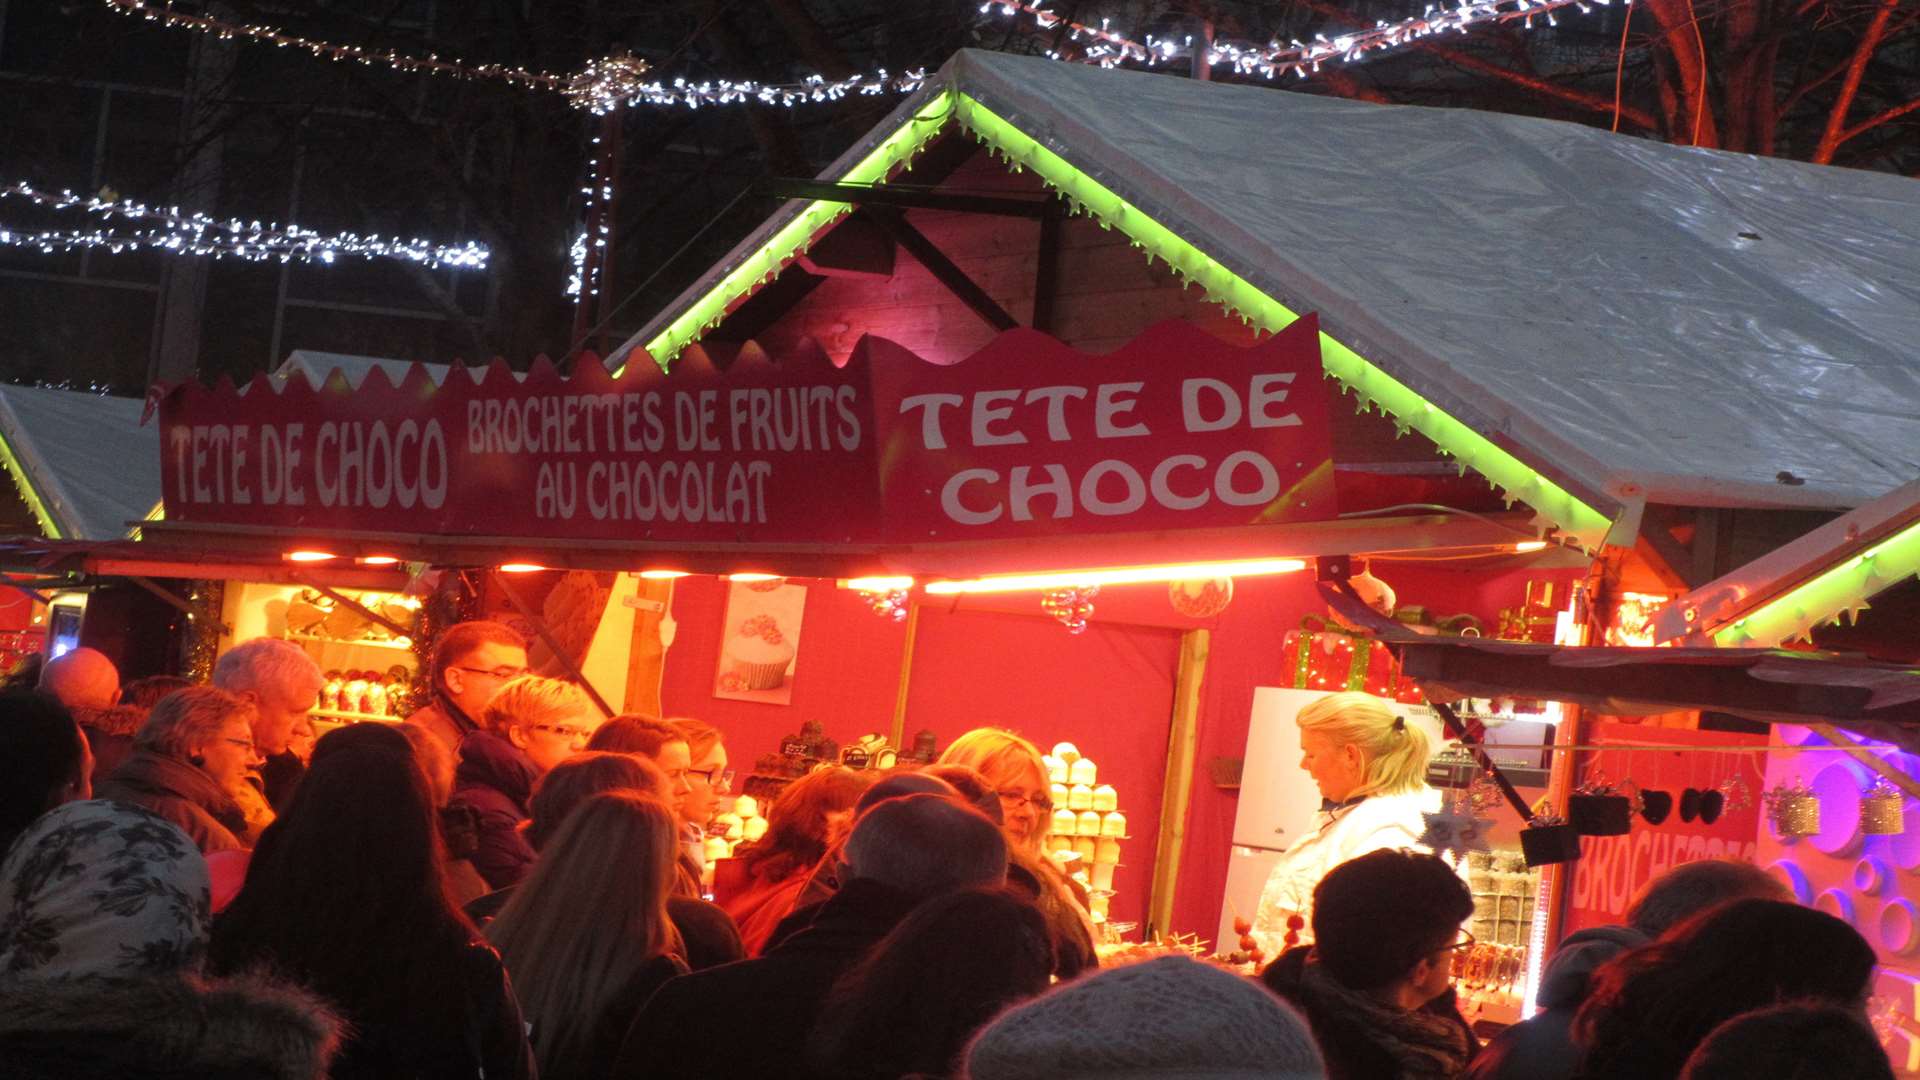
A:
1736,792
189,233
604,85
889,603
1072,605
1793,810
1883,810
1104,46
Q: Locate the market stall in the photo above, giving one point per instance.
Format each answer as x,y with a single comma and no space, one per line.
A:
837,485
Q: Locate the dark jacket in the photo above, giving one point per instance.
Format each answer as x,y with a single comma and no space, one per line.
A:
750,1020
1345,1041
708,933
1542,1047
443,720
245,1028
110,734
280,774
495,779
182,794
470,1027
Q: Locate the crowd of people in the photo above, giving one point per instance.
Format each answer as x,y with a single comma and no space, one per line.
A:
510,885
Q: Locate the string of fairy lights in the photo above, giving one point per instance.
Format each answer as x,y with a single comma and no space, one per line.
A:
170,229
1101,44
608,84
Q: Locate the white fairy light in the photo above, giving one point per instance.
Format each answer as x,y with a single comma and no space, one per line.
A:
172,230
1300,58
602,86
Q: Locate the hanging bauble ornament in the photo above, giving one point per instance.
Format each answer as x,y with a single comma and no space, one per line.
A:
1882,810
1484,793
1793,810
889,603
1072,605
1737,794
1201,598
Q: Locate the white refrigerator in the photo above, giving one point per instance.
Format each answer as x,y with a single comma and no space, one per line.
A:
1277,798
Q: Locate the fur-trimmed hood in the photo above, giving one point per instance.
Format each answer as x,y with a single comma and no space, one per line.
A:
161,1029
113,720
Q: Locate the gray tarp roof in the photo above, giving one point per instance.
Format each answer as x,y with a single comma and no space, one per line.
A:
86,456
1692,323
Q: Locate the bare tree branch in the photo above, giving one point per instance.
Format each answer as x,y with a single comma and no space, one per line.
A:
1870,38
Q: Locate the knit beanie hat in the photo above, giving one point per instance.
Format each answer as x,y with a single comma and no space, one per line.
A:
1172,1017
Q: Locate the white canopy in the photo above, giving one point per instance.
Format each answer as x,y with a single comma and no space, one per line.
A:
1651,321
84,457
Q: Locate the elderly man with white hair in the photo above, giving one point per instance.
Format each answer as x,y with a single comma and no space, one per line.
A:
284,684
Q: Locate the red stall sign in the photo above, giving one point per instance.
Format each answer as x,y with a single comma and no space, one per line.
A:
1175,430
1027,437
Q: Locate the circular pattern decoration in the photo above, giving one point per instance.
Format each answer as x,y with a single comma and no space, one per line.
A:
1870,876
1201,598
1839,787
1905,848
1835,903
1898,929
1795,879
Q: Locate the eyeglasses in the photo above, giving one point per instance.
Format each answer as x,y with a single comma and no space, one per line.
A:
504,672
566,731
1465,942
717,779
1014,800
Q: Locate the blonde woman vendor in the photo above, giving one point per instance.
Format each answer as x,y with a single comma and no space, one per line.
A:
1371,767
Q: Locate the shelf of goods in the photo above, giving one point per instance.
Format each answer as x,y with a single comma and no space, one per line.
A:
1490,977
1087,827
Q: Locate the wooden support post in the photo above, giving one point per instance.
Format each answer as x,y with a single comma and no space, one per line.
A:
1046,270
1867,757
1176,792
646,656
944,270
898,733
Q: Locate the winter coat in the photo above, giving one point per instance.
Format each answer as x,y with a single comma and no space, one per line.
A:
110,733
751,1019
444,721
180,793
758,908
709,935
280,775
1346,1042
496,779
1542,1048
1341,834
471,1028
170,1028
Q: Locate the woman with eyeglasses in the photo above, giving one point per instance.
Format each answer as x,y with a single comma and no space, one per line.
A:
189,760
1012,767
531,725
1377,983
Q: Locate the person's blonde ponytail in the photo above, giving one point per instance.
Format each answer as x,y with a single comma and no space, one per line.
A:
1396,751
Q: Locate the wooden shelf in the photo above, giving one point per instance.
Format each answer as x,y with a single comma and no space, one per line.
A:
368,644
355,717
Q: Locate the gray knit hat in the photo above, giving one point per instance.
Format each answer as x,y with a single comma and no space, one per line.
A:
1171,1017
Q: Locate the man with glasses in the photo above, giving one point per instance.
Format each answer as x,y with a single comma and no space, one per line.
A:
471,662
530,726
1376,984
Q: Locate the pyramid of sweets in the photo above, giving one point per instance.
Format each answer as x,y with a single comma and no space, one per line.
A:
738,824
1087,824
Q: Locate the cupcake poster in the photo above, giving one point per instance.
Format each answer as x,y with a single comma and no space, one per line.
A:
759,641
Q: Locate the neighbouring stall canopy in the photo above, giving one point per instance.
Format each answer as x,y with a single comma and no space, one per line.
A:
1832,570
1588,320
83,462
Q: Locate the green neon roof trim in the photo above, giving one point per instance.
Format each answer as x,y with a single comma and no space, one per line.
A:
1842,588
1514,477
24,482
760,266
1517,480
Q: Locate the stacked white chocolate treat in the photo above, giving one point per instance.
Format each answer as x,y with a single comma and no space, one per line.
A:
1087,824
730,829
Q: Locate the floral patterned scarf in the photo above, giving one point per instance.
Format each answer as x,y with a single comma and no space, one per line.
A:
102,890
